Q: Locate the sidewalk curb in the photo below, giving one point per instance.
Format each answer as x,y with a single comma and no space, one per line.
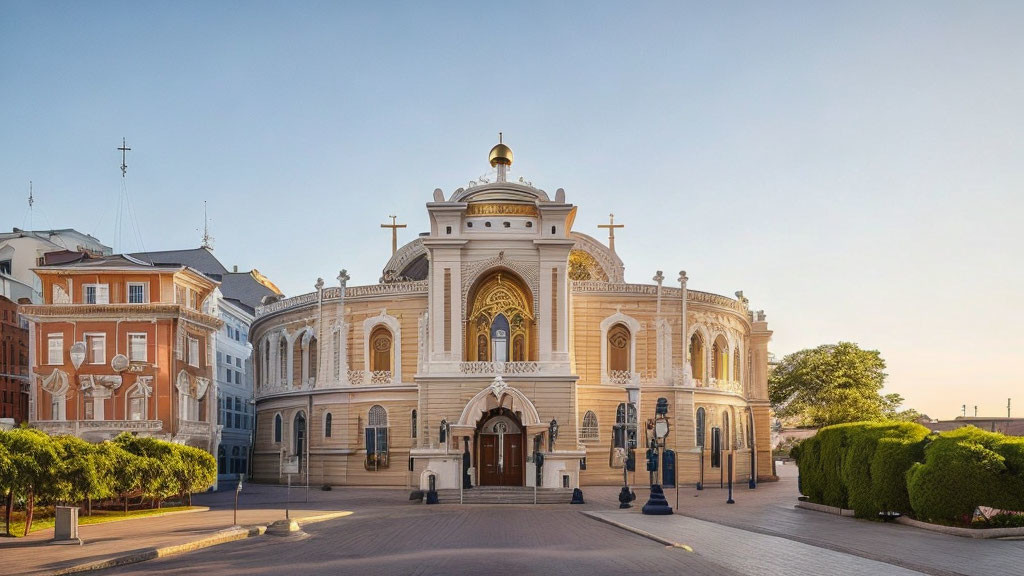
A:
220,537
638,531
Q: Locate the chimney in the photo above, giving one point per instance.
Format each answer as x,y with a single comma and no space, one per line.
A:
235,268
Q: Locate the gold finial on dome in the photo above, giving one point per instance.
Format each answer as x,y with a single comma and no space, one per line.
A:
500,154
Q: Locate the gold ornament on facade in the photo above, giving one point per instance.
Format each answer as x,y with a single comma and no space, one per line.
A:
496,209
500,154
496,296
583,266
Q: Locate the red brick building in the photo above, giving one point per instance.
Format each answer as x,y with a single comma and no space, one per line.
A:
144,338
13,363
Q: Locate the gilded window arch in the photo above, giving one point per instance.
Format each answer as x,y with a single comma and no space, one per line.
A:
381,349
719,358
619,348
499,298
697,356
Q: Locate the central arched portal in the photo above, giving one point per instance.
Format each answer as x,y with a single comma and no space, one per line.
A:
500,449
500,321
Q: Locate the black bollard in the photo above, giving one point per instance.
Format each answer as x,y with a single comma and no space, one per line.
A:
730,500
577,496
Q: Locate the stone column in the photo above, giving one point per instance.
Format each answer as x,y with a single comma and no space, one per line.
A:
342,336
687,376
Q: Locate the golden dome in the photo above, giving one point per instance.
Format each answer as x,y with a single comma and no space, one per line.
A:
500,154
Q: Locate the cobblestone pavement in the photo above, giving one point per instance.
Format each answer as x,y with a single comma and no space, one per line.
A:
469,540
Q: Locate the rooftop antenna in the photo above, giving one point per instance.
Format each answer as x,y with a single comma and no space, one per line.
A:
31,201
207,239
1008,407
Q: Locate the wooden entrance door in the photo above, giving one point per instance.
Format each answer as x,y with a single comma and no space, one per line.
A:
510,472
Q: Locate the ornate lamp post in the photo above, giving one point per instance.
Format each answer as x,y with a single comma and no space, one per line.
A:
657,504
621,432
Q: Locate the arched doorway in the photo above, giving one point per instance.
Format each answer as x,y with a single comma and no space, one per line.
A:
500,448
499,323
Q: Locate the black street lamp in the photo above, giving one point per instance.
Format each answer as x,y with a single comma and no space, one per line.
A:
552,434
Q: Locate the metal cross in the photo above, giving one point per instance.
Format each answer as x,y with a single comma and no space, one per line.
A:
394,232
124,149
611,226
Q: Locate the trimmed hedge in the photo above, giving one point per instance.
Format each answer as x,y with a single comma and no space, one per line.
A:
964,469
875,467
860,465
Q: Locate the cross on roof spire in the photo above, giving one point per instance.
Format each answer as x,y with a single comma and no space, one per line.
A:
394,232
611,226
124,150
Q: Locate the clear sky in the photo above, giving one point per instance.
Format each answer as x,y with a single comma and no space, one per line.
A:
856,169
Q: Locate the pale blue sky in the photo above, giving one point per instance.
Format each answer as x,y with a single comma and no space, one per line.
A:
857,170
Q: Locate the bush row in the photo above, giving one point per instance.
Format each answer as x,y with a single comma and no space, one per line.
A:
875,467
36,467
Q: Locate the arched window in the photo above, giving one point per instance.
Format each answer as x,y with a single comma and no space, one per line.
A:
328,420
726,439
282,358
701,427
299,437
277,428
589,430
414,424
222,461
697,356
719,358
736,364
620,418
376,436
380,350
518,348
313,353
618,349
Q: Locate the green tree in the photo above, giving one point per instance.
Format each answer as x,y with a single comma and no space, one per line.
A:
832,384
198,470
35,469
80,473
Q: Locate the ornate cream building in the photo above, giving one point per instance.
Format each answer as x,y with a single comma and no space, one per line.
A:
497,322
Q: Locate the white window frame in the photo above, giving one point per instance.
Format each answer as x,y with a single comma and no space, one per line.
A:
50,338
140,401
193,351
145,292
145,347
90,338
101,293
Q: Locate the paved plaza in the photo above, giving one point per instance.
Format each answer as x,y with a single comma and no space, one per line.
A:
762,533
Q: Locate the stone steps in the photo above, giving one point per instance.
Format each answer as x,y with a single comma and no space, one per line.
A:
506,495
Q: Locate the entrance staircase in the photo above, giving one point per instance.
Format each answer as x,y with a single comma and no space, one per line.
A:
506,495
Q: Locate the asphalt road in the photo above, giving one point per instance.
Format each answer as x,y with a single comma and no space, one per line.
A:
422,540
